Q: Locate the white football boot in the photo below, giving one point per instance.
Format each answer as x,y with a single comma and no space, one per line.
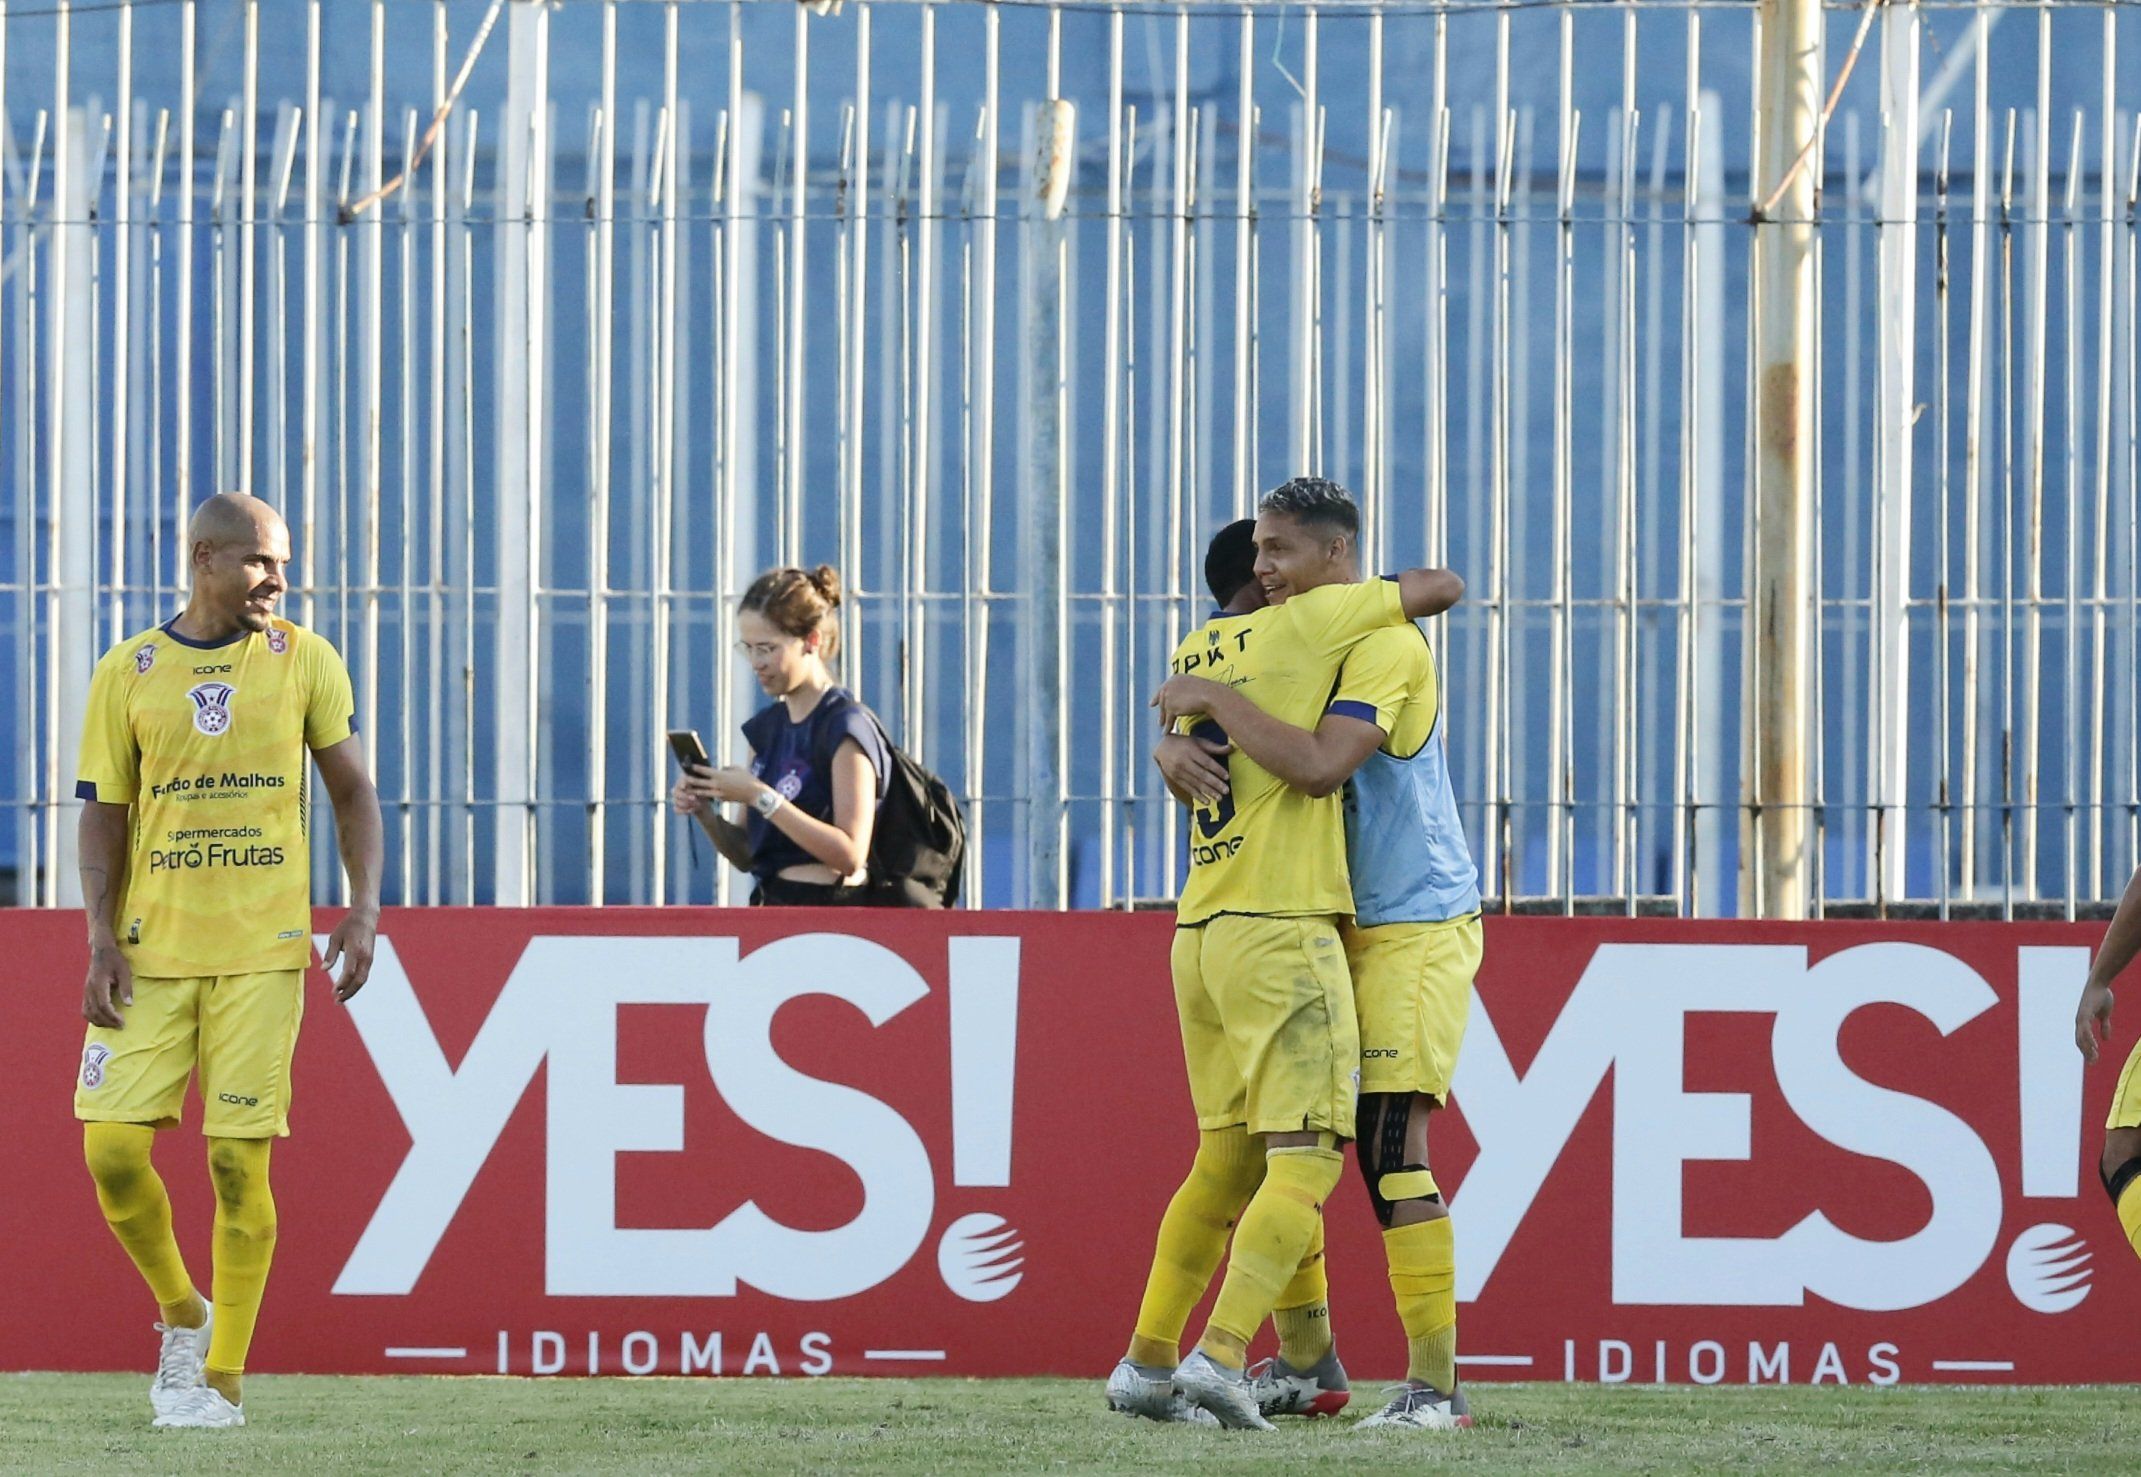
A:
179,1363
1149,1391
1422,1408
202,1408
1226,1393
1281,1389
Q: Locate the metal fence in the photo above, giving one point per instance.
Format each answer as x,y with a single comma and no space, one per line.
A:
1002,309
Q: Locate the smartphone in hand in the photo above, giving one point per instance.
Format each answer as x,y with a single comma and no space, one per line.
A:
689,750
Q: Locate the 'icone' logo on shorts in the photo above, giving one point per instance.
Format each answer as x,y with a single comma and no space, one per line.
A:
94,1056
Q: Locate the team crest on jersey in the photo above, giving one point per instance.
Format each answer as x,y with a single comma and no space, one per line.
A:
94,1056
278,640
211,706
145,658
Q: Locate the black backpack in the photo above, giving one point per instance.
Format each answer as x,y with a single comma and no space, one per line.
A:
918,848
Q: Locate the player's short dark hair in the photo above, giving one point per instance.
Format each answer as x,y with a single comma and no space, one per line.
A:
1230,561
1314,500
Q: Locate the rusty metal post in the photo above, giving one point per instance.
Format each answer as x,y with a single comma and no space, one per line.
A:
1776,826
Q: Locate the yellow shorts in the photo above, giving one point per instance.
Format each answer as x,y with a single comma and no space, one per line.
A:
240,1029
2126,1102
1412,983
1267,1024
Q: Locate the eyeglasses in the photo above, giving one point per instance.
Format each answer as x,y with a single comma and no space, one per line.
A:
757,650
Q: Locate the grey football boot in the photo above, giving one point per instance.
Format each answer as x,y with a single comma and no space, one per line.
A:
1226,1393
1422,1407
1149,1390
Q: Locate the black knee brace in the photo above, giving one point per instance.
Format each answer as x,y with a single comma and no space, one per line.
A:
1383,1166
2116,1182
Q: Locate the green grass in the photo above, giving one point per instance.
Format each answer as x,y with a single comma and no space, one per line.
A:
100,1423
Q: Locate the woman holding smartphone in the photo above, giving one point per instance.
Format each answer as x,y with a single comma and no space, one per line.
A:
807,798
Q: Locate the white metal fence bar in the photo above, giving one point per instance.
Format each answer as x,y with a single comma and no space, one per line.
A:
715,285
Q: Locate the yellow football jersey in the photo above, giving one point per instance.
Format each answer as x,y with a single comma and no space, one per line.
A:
208,745
1389,680
1268,848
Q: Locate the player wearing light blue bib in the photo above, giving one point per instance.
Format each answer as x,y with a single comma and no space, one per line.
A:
1260,978
1414,942
1405,844
1413,948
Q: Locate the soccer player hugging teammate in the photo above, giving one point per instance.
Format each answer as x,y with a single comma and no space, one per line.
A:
196,877
2120,1166
1261,984
1413,944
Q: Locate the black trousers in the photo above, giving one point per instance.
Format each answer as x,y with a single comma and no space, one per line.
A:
786,892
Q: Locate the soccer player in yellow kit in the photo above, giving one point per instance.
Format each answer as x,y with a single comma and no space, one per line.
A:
1413,945
2120,1165
1261,988
196,876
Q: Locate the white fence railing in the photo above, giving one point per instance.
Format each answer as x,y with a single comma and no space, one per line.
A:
682,291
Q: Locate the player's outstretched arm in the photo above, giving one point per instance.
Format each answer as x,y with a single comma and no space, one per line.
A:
1428,592
2092,1018
102,845
363,838
1317,763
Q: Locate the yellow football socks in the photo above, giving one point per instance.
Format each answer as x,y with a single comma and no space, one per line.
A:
245,1245
1303,1316
1423,1279
1193,1238
138,1210
2130,1212
1274,1232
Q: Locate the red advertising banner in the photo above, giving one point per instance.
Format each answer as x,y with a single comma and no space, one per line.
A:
687,1141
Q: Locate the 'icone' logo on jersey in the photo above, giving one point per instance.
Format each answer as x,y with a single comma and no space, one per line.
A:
211,706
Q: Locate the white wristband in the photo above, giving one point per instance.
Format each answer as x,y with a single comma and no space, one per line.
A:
765,802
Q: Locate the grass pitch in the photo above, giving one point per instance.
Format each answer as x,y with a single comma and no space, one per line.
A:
54,1423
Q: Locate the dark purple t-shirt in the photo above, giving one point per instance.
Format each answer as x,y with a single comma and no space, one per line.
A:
797,760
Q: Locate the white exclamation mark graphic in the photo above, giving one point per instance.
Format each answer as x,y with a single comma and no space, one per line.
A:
979,1255
984,996
2048,983
2048,1264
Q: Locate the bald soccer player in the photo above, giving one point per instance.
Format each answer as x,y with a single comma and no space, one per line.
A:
196,878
